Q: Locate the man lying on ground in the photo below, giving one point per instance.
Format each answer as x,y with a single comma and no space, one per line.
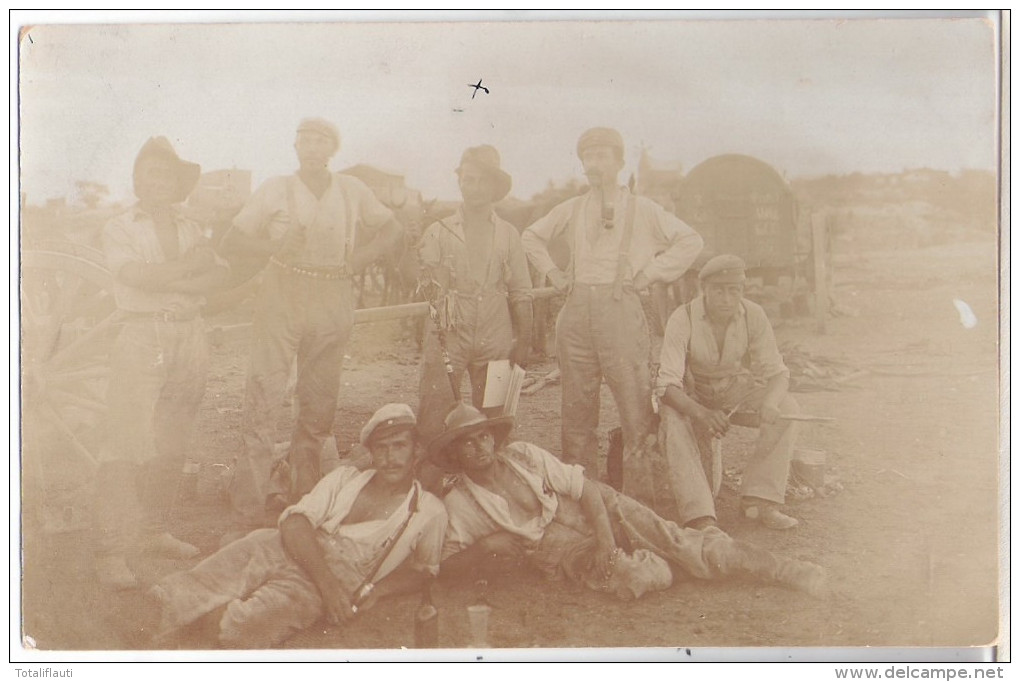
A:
356,537
517,500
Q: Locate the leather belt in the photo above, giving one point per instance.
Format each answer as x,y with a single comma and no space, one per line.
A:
337,273
164,315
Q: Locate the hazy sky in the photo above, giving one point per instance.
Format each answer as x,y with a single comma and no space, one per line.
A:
807,96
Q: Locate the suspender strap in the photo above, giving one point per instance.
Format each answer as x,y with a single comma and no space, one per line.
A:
350,226
622,262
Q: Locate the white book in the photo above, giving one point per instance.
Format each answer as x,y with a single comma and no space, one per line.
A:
503,384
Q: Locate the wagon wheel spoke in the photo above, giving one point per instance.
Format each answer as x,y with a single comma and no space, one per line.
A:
66,397
68,316
79,348
83,374
50,415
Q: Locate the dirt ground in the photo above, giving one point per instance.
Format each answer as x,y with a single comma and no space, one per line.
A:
909,536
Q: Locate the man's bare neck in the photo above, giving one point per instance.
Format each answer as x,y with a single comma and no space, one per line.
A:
379,486
475,216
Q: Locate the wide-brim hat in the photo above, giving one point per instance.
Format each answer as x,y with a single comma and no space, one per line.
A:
187,172
462,420
486,157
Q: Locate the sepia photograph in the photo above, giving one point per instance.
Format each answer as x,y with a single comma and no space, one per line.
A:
524,335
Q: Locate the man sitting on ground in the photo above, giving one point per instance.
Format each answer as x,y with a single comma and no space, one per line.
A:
517,500
356,537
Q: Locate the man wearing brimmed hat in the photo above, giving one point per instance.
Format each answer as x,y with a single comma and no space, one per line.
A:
720,364
477,263
356,537
162,265
305,224
517,501
619,245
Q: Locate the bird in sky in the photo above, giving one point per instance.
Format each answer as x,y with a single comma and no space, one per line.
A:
477,86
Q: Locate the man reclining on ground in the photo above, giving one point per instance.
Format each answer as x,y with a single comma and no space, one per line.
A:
517,500
357,536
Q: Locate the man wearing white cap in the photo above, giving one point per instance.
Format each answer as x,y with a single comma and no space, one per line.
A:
477,261
619,245
305,223
356,537
720,365
162,267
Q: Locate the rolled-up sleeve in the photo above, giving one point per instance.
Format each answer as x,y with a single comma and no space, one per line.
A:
536,238
518,279
371,212
673,356
256,213
317,504
679,244
766,360
562,478
430,251
120,246
466,523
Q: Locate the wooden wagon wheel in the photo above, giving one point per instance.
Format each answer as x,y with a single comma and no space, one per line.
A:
67,326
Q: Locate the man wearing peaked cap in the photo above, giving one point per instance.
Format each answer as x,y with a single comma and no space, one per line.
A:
261,589
720,357
305,225
162,267
480,280
516,501
619,245
388,419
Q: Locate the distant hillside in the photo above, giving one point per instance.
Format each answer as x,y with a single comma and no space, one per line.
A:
915,208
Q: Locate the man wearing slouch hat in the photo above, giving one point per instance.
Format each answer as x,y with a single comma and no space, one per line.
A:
477,261
162,267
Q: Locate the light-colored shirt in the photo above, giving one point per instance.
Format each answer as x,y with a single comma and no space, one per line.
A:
475,512
662,246
328,223
362,544
749,349
130,237
444,249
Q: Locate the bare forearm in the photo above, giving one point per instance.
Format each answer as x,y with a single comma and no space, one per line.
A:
384,242
239,241
676,398
775,390
299,542
594,509
523,323
401,581
207,281
153,276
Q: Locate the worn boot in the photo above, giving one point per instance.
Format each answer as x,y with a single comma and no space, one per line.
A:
166,545
114,573
746,560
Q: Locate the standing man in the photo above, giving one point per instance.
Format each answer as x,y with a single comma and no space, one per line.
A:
305,224
720,358
477,260
620,244
162,265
